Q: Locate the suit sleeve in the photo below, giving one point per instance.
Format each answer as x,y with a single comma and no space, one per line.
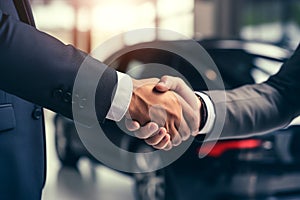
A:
258,108
42,70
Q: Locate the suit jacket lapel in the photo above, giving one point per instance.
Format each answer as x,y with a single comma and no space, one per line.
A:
24,11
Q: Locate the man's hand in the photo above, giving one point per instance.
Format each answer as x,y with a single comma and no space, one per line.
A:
165,109
176,129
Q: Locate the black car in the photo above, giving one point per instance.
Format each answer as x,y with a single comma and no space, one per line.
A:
262,167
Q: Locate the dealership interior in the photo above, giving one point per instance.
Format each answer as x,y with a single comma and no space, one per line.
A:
248,40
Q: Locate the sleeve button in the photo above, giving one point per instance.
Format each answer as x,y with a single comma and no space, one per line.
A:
37,113
68,97
58,93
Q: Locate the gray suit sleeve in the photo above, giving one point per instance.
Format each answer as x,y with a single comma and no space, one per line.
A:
248,110
258,108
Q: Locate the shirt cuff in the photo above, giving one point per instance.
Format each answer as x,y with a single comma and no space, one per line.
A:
211,115
122,98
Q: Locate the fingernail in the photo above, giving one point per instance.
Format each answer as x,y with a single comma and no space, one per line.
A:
153,127
162,83
161,132
165,138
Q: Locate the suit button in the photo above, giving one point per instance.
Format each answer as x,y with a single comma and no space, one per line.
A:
37,113
58,93
68,97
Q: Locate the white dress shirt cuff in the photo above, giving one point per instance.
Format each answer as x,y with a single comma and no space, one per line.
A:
211,115
122,98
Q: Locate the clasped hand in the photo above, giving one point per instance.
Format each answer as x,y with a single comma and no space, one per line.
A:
163,112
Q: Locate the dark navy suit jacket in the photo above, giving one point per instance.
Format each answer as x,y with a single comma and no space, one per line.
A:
35,69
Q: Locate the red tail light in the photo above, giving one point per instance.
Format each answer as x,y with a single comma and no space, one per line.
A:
221,147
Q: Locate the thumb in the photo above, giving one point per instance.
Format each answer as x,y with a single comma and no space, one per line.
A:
163,85
132,125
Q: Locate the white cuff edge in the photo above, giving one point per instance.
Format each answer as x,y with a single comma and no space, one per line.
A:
122,98
211,115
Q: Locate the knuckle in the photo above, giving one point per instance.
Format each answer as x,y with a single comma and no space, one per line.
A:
176,141
180,81
150,142
155,79
160,145
184,138
165,77
155,147
155,140
169,147
185,135
177,79
140,135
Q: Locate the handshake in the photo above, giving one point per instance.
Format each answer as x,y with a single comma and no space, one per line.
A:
163,112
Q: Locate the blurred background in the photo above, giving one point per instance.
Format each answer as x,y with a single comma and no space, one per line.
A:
88,23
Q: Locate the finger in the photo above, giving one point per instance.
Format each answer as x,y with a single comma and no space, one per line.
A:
191,116
164,84
169,146
175,136
140,82
191,104
132,125
179,86
157,138
163,143
146,131
184,129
